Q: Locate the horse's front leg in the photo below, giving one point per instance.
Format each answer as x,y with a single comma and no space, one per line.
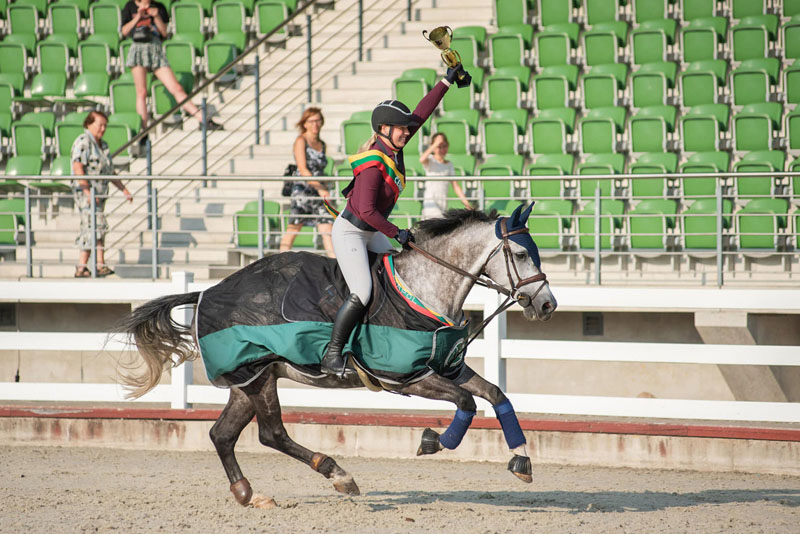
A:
439,388
520,463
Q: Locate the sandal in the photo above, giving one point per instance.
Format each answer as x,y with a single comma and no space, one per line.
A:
82,272
104,271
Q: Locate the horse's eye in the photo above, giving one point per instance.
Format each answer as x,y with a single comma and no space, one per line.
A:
521,255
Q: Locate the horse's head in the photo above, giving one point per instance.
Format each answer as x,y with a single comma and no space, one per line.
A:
515,264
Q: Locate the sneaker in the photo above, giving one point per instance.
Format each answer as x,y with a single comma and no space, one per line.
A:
212,126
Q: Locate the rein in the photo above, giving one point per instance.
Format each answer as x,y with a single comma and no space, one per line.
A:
512,295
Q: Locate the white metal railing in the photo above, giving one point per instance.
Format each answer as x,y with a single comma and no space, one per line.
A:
495,349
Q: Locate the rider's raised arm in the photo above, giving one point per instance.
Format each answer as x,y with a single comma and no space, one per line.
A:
364,201
428,104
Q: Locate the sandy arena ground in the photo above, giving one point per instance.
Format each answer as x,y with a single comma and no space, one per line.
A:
54,490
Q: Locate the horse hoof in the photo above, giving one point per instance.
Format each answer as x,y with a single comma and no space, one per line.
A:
429,443
242,491
520,467
347,486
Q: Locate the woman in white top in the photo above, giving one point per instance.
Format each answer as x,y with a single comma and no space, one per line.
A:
434,203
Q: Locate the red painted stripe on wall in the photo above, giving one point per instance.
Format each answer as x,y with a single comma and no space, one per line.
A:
422,421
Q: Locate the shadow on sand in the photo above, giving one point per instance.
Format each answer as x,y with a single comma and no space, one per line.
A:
580,501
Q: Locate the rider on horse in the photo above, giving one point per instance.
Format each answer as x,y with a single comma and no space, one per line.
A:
363,225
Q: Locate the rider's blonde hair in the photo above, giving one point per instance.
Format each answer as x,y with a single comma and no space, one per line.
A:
368,143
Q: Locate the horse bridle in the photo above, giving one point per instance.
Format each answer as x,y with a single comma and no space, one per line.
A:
512,295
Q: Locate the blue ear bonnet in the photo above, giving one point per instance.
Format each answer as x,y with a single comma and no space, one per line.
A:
517,220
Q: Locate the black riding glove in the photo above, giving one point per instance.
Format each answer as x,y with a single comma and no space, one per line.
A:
404,237
452,74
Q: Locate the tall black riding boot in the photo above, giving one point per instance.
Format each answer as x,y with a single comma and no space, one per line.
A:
348,316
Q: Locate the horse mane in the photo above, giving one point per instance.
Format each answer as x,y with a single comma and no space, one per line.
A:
451,220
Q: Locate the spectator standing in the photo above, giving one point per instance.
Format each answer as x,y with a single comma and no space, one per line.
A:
91,157
434,159
145,22
307,208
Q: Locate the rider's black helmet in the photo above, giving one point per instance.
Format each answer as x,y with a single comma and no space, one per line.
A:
393,113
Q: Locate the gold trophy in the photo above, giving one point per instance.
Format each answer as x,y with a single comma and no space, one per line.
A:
440,37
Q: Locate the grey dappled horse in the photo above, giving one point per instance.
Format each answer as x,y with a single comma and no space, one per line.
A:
450,256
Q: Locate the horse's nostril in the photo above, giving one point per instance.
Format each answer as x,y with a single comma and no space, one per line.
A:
547,307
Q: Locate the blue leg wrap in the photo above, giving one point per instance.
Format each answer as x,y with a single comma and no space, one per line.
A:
510,424
455,432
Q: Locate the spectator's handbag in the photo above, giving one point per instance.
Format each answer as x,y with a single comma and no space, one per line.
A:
142,34
291,170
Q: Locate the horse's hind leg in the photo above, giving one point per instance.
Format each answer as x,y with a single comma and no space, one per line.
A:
237,413
263,394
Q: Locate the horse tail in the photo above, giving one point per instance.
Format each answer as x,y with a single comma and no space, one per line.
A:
158,338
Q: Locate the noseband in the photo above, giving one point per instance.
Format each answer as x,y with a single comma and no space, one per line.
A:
513,294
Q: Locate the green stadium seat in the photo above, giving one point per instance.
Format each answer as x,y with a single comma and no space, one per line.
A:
500,135
181,56
690,10
791,83
795,187
700,39
760,222
793,130
599,130
123,96
29,139
132,120
66,133
599,164
470,116
701,82
219,52
53,57
354,134
268,15
245,224
602,43
649,128
501,165
610,222
549,130
163,99
362,115
230,22
751,37
409,91
503,92
700,223
652,82
547,165
104,20
523,30
64,18
701,127
40,5
49,84
24,166
74,117
650,222
117,135
602,85
748,8
791,37
468,49
428,75
22,26
556,11
457,132
752,80
652,163
459,100
646,10
703,162
651,40
46,119
206,5
187,17
507,50
550,223
15,207
464,162
553,85
791,8
759,161
509,12
94,57
8,229
477,33
61,166
70,40
755,126
555,44
13,64
598,11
